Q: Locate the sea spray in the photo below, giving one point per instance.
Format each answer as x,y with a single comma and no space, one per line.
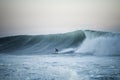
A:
97,43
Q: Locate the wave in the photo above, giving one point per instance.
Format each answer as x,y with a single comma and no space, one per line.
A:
40,44
84,42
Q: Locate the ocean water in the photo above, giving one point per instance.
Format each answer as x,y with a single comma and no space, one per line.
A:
59,67
83,55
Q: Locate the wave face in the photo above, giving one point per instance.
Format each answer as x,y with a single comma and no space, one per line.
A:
40,44
79,42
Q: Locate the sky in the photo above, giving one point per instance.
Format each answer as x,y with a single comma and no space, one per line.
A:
58,16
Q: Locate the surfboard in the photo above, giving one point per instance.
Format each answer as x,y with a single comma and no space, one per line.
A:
55,53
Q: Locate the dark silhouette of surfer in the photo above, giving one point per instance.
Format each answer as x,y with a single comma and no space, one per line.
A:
56,50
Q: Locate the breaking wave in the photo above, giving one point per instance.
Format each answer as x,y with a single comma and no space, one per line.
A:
78,42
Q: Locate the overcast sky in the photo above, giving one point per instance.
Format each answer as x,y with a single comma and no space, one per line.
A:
56,16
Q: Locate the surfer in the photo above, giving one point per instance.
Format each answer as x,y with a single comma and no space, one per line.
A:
56,50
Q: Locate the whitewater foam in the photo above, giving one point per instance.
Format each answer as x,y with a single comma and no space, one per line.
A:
105,45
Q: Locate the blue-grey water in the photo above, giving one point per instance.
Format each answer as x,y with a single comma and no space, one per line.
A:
59,67
82,55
